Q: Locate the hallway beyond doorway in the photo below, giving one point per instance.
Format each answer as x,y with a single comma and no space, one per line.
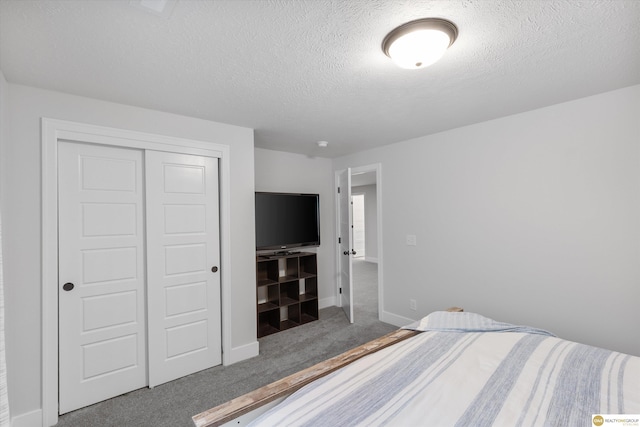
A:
365,286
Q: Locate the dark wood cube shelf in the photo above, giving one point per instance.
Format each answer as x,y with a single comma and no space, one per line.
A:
287,291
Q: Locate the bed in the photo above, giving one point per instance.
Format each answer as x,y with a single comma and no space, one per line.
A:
449,369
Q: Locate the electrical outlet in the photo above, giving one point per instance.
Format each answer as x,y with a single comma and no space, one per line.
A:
412,240
413,305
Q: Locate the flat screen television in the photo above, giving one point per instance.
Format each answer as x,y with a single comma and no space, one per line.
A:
287,220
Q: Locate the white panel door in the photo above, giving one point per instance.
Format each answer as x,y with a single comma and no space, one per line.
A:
183,251
345,207
102,323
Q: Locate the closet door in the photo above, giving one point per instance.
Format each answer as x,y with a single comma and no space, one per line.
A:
183,254
102,323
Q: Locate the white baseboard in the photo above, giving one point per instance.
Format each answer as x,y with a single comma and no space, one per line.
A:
395,320
30,419
326,302
371,259
238,354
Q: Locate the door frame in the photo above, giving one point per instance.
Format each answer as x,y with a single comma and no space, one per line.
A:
377,168
54,130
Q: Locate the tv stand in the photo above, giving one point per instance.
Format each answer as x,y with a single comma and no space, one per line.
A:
287,291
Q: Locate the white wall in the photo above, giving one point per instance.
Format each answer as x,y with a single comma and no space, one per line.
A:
278,171
530,219
21,218
370,220
4,133
4,121
4,409
4,87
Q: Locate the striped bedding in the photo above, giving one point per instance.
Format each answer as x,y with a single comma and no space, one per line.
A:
467,370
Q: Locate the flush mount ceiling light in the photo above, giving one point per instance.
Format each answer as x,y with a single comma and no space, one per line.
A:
419,43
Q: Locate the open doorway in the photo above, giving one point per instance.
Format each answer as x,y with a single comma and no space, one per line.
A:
358,224
365,274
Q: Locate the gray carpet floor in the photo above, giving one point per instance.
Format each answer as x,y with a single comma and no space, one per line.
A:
281,354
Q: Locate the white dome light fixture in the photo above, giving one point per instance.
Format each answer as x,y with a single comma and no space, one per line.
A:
419,43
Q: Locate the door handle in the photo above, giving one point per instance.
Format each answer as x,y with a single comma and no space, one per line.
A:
68,286
345,253
214,269
353,252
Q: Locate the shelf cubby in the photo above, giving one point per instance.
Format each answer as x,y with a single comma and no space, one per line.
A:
290,270
268,297
267,272
289,293
308,311
308,266
289,316
308,289
269,322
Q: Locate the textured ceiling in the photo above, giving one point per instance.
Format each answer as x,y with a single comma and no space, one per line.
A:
302,71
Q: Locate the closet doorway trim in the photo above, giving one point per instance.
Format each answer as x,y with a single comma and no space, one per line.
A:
55,130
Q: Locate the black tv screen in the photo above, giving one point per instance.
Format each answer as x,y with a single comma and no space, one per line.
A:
287,220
